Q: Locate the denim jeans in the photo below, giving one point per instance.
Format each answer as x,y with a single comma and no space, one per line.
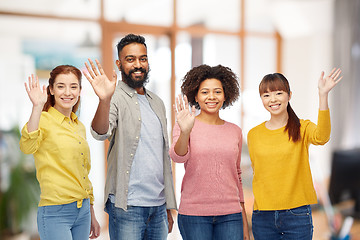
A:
224,227
64,222
294,224
137,223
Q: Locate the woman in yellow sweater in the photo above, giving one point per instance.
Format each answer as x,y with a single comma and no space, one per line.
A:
278,148
57,139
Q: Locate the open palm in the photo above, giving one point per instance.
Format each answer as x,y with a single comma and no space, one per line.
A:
184,117
37,95
103,87
329,82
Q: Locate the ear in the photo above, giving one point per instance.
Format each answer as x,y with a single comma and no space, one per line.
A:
51,90
290,95
118,64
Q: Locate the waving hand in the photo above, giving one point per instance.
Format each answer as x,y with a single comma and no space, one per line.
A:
102,85
37,95
327,83
184,117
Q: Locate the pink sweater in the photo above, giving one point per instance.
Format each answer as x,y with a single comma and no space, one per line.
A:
212,181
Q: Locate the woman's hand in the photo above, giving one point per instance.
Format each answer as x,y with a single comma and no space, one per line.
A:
95,226
103,87
184,117
329,82
325,85
37,95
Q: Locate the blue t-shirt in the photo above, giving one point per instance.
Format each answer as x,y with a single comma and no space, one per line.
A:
146,186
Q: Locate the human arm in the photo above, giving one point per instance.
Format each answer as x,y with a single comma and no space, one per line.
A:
325,85
95,226
38,97
245,222
320,134
185,120
170,220
104,89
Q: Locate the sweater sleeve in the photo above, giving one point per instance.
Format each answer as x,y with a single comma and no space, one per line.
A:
320,134
173,155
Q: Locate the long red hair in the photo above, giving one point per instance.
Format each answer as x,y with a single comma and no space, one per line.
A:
61,69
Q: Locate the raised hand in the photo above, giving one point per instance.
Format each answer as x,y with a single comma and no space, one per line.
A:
184,117
37,95
103,87
327,83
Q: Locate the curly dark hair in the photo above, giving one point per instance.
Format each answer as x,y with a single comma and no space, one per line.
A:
228,79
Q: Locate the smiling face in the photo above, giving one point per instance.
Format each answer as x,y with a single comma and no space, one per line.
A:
276,102
133,64
210,96
66,92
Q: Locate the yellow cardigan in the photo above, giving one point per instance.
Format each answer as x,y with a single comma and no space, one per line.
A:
282,177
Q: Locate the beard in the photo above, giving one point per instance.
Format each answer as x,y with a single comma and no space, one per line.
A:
136,82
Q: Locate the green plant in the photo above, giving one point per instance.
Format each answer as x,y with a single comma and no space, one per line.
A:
22,194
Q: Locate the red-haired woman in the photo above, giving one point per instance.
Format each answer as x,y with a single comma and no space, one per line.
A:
57,139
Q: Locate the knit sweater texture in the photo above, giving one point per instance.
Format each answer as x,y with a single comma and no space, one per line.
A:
281,170
212,182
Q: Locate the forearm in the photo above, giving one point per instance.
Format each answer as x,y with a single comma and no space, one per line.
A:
323,101
181,146
245,223
100,123
33,123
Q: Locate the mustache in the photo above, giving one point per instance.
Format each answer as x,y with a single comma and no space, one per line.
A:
143,70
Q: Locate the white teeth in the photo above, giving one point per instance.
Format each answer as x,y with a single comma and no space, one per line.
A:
275,106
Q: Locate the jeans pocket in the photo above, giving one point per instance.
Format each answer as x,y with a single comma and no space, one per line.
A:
301,211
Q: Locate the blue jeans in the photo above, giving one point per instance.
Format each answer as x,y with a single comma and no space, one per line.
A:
64,222
295,223
137,223
224,227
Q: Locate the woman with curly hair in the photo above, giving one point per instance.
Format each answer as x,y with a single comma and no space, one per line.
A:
212,201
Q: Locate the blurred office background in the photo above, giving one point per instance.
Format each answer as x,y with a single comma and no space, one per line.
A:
253,37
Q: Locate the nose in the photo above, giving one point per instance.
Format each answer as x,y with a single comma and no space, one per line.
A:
211,95
67,91
137,63
272,97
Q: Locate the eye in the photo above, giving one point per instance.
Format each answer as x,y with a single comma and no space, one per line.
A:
130,60
204,92
60,86
144,59
266,95
279,93
218,92
74,87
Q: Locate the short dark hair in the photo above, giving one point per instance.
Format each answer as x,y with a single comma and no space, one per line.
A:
196,75
128,39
